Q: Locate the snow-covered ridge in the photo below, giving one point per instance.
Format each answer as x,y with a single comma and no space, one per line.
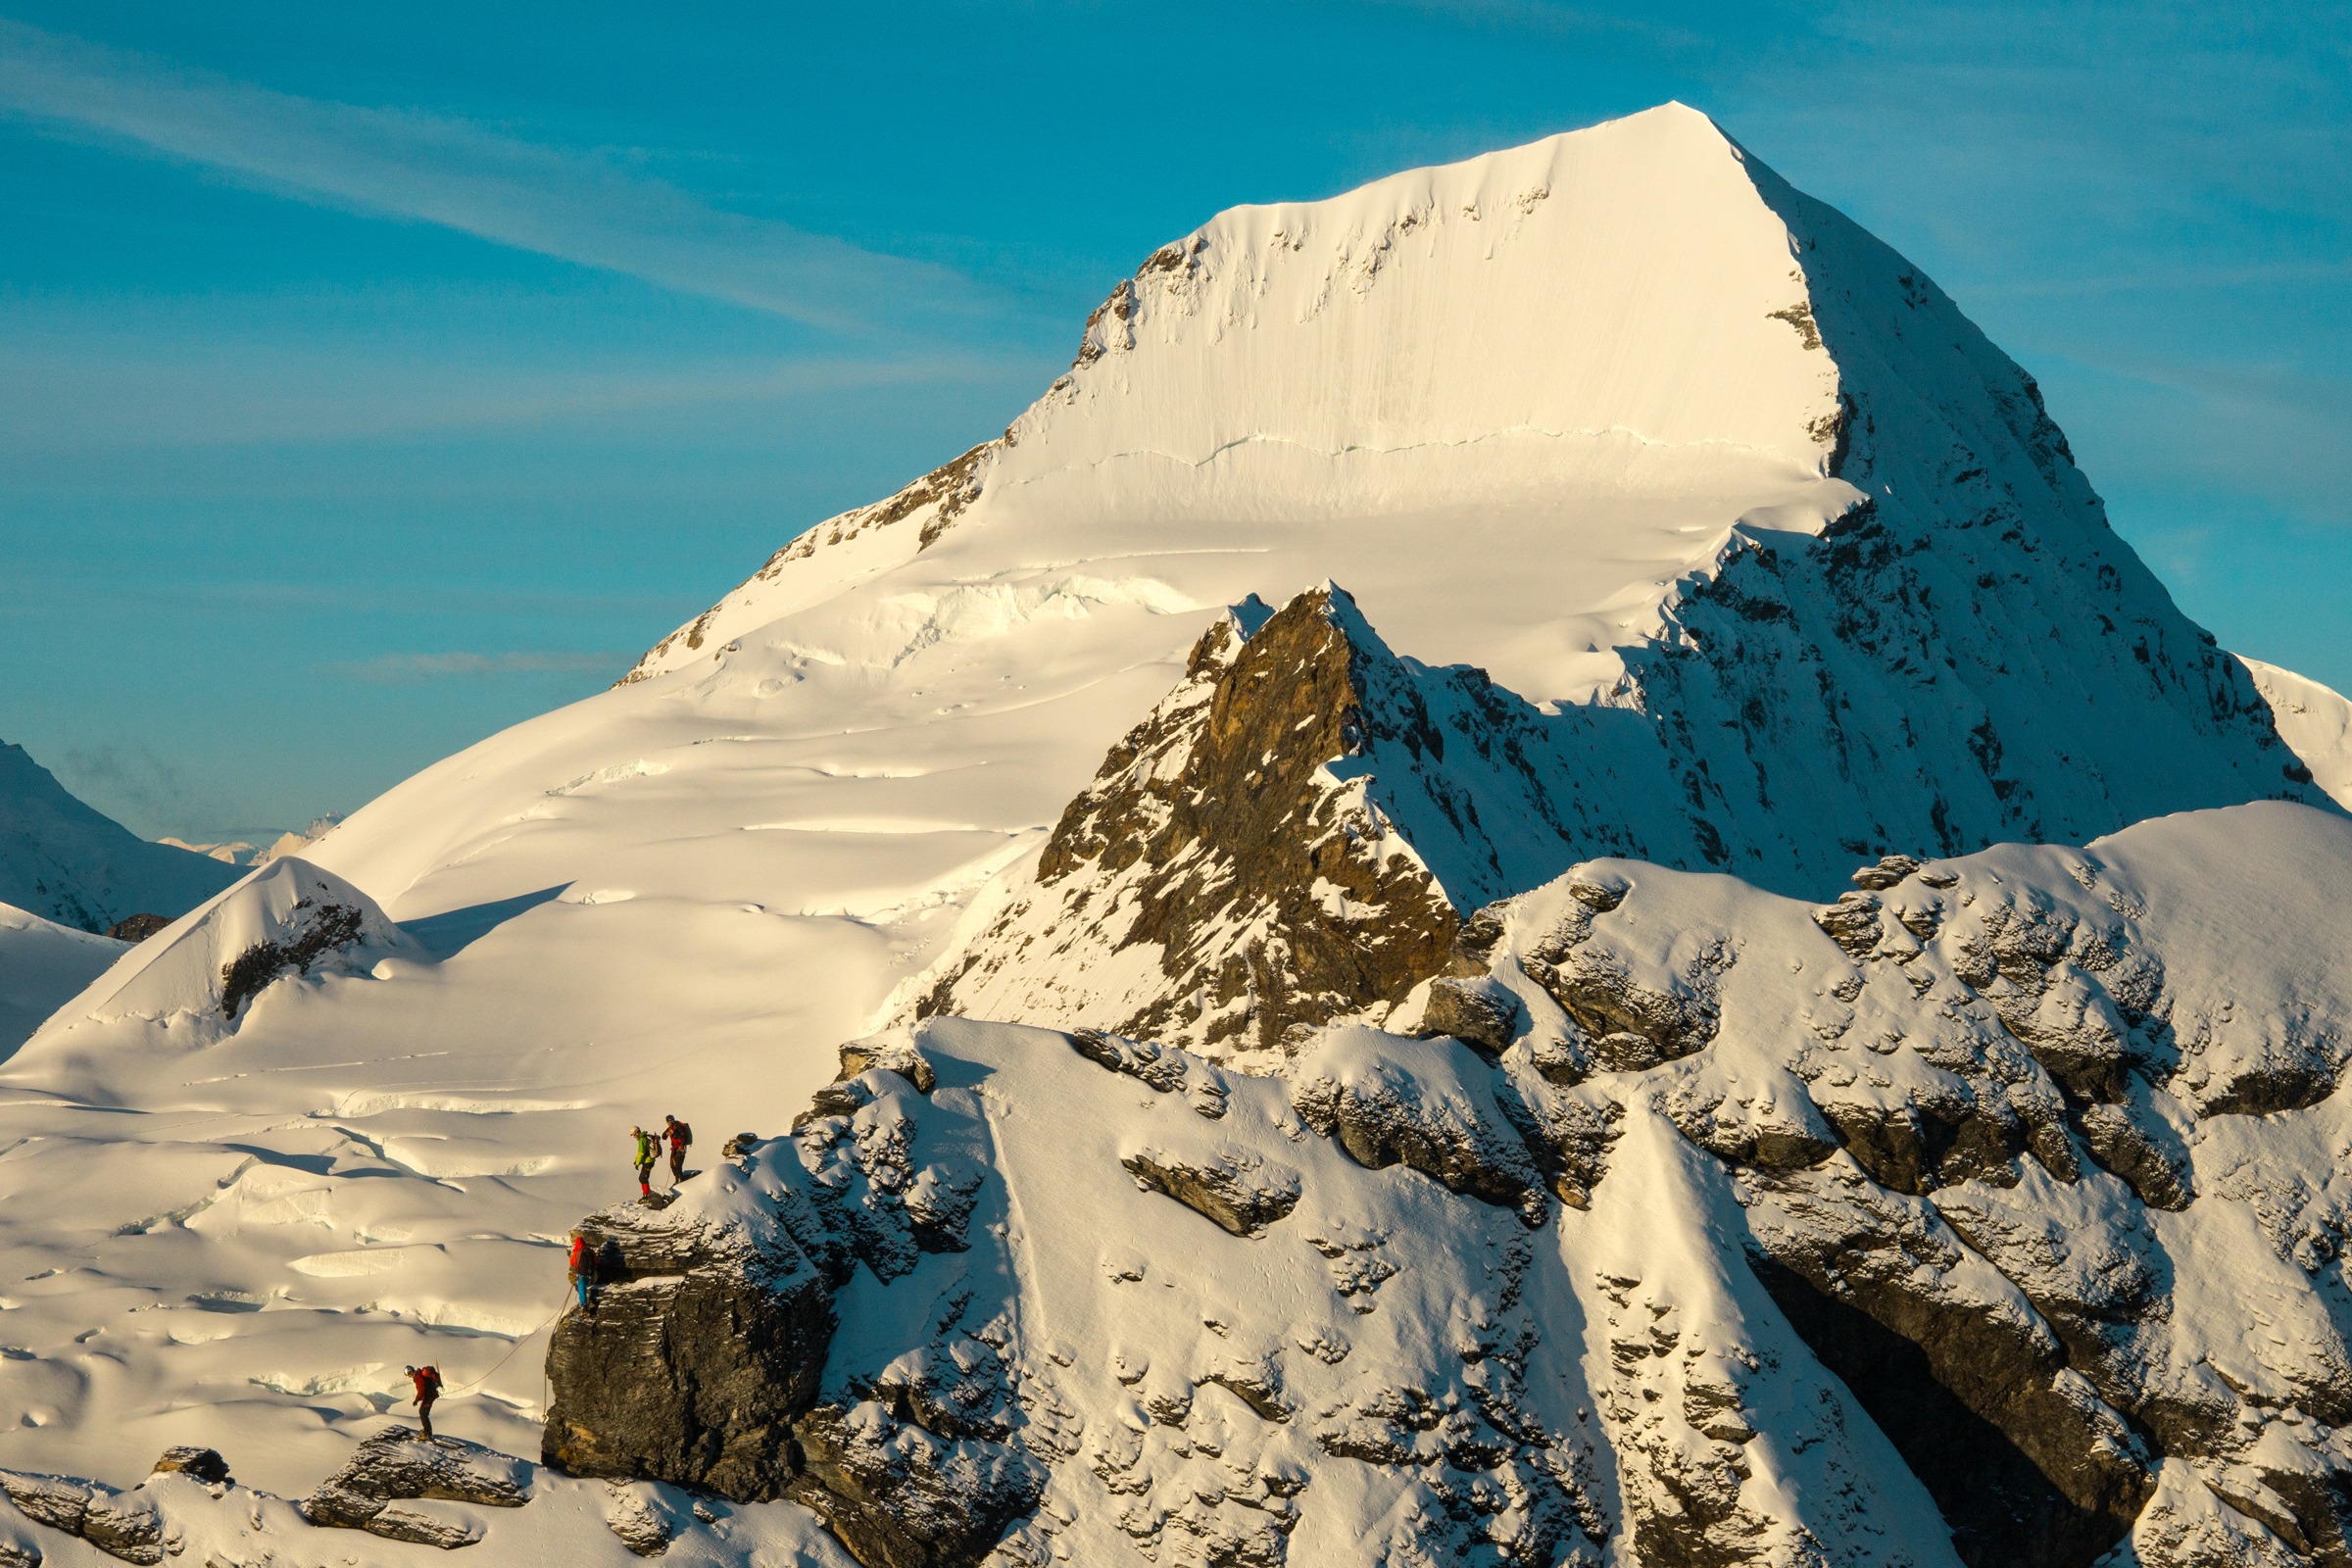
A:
2315,722
1296,832
203,975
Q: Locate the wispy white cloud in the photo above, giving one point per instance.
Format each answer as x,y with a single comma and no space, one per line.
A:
401,163
404,667
78,377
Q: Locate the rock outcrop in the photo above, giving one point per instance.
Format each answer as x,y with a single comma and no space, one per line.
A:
126,1525
701,1361
700,1350
1244,840
379,1489
1974,1114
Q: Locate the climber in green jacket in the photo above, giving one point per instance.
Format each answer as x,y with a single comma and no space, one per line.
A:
649,1147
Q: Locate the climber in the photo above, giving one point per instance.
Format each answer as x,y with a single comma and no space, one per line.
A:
584,1270
647,1148
679,1136
429,1389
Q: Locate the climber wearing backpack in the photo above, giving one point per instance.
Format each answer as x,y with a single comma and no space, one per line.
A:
679,1136
429,1389
584,1270
648,1147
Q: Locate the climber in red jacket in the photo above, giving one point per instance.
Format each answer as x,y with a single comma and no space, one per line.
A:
582,1263
429,1389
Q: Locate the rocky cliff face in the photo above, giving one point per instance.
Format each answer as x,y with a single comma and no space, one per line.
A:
703,1347
1976,1123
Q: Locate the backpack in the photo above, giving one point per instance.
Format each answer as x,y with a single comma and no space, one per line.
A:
685,1135
432,1380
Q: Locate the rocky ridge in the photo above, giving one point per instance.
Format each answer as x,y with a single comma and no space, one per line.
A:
1296,832
1919,1226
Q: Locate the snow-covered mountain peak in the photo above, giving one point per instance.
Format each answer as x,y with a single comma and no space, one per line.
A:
1619,300
1606,314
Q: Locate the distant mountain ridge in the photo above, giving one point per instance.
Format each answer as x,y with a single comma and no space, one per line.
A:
68,863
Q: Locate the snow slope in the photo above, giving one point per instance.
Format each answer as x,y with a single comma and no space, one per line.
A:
64,862
42,965
2314,721
1679,459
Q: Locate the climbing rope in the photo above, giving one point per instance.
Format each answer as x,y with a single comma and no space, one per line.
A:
519,1343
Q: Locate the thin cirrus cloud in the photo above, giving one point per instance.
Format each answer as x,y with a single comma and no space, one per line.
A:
430,168
401,669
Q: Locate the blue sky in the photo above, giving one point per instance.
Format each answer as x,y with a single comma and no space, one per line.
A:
373,377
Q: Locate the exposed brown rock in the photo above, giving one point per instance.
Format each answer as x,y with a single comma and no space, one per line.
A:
137,927
1244,1195
1271,885
1480,1013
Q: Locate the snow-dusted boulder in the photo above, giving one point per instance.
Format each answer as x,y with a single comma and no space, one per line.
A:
124,1525
1426,1104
